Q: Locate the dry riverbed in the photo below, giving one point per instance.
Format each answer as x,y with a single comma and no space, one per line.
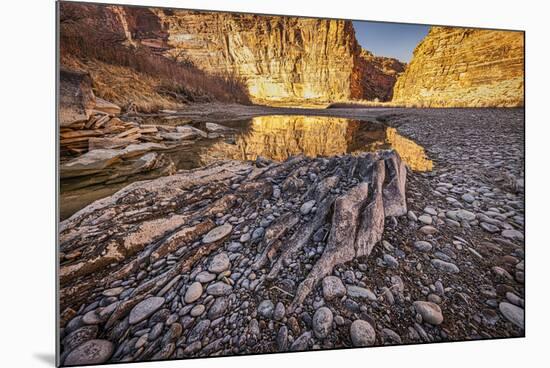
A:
183,266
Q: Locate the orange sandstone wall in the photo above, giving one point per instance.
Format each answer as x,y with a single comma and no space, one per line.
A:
460,67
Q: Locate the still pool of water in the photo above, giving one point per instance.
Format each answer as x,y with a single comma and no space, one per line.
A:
279,137
275,137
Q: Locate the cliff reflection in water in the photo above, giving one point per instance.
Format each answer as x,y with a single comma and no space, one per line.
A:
278,137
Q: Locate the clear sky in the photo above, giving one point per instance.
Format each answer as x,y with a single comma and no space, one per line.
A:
390,39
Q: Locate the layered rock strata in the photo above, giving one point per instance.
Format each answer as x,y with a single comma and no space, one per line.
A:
173,223
461,67
76,98
281,60
231,182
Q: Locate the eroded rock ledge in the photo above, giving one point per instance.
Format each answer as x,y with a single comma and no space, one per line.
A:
174,237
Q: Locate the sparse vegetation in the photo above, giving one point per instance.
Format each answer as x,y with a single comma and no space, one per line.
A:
122,85
136,76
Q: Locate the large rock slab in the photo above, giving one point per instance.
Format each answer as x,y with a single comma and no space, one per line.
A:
98,160
148,221
109,255
76,98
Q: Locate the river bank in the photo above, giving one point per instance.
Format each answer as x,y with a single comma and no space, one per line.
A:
450,267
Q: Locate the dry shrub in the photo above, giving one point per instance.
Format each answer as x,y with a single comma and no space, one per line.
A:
122,85
125,73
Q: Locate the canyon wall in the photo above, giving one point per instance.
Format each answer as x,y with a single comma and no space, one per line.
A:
109,24
278,60
460,67
377,75
281,59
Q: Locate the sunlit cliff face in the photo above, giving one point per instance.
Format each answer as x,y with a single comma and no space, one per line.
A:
280,59
279,137
461,67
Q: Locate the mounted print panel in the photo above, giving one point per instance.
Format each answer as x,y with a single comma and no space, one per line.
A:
234,184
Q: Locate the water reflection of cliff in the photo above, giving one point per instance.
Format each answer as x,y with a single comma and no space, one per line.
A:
279,137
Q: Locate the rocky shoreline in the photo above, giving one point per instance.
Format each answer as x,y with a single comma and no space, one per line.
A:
251,257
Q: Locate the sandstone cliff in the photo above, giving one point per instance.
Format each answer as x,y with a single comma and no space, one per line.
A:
282,59
204,56
122,50
460,67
